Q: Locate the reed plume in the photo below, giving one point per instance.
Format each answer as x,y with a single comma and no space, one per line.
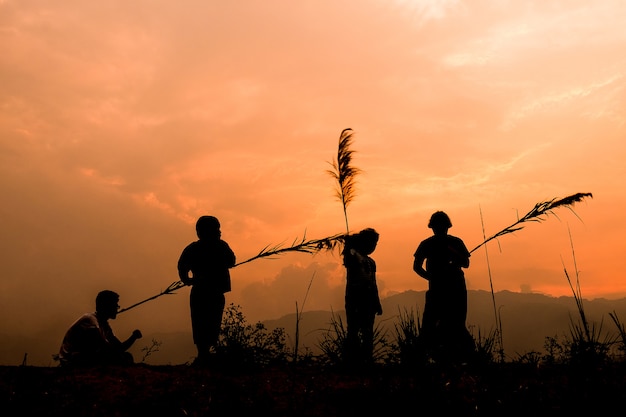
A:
306,246
312,246
538,214
344,173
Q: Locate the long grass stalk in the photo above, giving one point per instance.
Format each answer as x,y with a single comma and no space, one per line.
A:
312,246
587,345
297,341
344,173
576,291
538,214
298,318
171,289
500,337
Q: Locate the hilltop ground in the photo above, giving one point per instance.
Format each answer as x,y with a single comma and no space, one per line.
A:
310,390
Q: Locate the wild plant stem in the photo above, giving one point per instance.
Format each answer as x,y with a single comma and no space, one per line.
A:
493,296
298,318
576,291
268,252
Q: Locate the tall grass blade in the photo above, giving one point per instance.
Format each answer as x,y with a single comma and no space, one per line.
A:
298,318
586,346
499,334
620,329
577,292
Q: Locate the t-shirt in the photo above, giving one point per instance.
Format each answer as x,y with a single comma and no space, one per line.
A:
209,261
361,287
87,337
444,255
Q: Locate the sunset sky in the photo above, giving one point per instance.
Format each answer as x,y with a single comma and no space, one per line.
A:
122,122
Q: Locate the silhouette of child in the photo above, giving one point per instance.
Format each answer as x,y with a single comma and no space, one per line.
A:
361,299
90,340
204,264
439,259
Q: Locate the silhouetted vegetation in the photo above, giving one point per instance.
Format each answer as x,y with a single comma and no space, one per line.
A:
256,373
252,346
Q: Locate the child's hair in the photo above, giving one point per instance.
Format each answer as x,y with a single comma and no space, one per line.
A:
105,299
207,227
369,240
364,241
439,219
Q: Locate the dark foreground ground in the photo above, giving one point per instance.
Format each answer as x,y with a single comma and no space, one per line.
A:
310,390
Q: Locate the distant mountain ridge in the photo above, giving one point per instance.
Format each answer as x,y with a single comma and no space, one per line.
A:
527,319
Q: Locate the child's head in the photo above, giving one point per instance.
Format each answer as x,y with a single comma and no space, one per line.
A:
208,227
367,239
107,303
439,222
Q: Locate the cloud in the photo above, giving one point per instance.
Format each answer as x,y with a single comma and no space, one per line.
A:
556,102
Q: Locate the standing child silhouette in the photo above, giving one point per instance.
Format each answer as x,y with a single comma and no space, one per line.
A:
440,260
362,300
205,265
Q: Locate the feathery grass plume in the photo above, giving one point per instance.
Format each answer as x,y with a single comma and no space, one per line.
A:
313,246
306,246
344,173
538,214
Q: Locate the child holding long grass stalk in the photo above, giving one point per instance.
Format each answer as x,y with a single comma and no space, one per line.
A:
204,264
440,260
362,299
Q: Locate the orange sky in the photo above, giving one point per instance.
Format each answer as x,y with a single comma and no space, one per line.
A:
122,122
